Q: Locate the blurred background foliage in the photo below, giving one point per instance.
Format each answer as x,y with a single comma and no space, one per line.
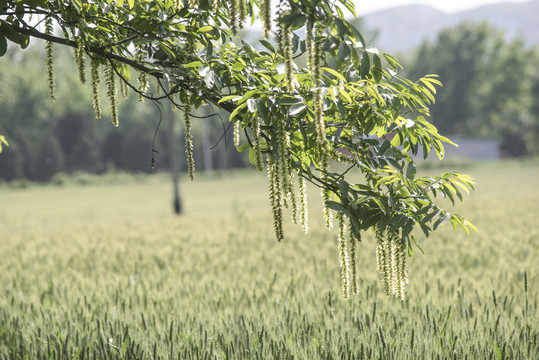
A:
48,137
491,84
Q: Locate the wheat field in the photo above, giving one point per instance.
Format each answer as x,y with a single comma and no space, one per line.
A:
106,271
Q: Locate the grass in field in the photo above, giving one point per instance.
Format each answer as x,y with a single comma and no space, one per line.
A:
107,271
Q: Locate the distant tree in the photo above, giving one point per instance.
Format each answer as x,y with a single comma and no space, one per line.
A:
347,105
487,84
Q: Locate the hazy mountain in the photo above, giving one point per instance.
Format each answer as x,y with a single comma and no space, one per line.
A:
405,27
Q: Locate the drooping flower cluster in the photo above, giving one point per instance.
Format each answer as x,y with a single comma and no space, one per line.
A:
391,262
50,60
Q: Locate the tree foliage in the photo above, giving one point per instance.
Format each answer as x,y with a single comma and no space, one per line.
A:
488,85
348,104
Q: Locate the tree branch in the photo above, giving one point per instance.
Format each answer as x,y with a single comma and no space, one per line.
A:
94,49
228,106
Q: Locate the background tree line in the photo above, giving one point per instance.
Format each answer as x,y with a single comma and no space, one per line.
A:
490,85
64,136
489,89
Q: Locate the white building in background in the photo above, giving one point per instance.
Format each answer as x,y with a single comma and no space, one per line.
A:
476,149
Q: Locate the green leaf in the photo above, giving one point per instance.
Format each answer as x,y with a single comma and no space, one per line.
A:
442,333
289,100
243,147
373,50
410,249
238,66
263,111
246,96
441,220
334,73
342,29
228,97
416,244
344,52
12,35
426,230
296,109
470,225
295,20
206,28
209,50
429,85
430,216
345,94
193,64
411,170
3,140
163,46
392,61
236,111
407,227
267,45
356,228
333,205
350,7
3,45
365,65
252,156
496,350
397,140
339,13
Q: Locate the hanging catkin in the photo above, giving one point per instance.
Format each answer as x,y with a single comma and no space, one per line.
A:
326,193
354,281
237,125
189,138
303,210
265,15
381,260
311,27
255,125
291,85
292,195
283,143
50,60
80,60
124,89
402,270
242,13
96,82
275,197
285,48
343,256
142,78
284,40
391,255
110,79
391,262
314,64
287,55
234,16
190,46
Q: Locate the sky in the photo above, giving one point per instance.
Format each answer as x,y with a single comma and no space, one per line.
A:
449,6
